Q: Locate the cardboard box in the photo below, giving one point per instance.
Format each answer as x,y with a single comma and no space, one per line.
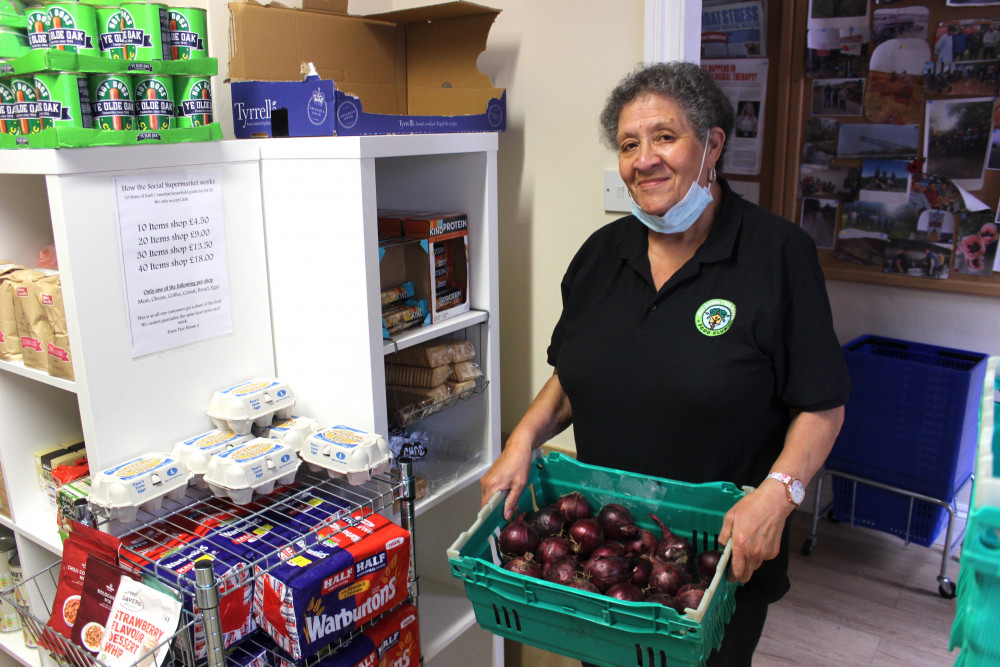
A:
434,255
44,457
405,72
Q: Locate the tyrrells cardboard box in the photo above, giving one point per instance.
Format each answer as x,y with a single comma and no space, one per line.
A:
411,71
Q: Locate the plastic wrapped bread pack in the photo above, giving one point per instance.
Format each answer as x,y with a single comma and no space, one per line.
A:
312,599
256,402
195,452
409,404
392,640
253,467
140,483
293,431
347,452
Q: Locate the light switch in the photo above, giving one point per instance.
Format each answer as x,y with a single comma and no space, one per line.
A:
616,197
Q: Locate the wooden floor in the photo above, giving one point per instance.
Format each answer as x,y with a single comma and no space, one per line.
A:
863,598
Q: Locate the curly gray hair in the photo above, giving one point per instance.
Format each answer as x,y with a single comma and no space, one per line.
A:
687,84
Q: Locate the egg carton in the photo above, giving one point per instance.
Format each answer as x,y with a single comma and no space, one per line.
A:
196,452
140,483
256,402
293,431
347,452
253,467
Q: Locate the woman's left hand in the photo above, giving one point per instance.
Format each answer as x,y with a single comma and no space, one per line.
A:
755,523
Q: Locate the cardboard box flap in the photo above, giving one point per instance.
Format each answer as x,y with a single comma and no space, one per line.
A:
446,10
332,6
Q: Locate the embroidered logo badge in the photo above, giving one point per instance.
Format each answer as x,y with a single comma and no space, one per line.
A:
715,317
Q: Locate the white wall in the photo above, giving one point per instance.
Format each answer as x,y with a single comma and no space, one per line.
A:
558,59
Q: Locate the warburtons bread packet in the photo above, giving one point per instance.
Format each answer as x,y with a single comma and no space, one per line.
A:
33,326
393,640
51,298
141,622
10,343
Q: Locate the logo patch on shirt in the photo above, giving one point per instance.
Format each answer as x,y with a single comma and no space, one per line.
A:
715,317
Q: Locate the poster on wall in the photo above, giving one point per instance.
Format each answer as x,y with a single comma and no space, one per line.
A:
735,30
744,81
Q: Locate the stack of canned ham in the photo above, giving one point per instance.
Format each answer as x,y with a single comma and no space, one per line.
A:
130,31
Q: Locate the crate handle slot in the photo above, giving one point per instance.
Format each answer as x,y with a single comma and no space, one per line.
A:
883,342
972,359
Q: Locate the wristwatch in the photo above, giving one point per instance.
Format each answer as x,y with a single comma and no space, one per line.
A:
794,490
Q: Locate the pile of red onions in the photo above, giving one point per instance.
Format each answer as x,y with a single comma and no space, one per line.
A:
607,552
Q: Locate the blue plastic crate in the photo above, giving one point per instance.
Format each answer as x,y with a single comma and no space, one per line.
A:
912,420
888,512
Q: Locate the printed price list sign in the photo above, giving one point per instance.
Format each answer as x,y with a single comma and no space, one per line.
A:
173,247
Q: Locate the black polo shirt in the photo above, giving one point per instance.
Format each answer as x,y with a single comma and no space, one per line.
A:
695,382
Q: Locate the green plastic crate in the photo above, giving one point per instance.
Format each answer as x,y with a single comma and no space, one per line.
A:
587,626
977,609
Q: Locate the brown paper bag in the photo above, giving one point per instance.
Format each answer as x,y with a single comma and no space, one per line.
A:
50,296
33,327
10,343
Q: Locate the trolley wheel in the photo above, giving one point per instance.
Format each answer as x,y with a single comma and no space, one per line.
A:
832,516
808,546
946,589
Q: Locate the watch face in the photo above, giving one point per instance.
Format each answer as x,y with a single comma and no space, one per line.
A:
797,491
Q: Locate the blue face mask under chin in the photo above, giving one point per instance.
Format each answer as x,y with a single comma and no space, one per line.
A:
684,213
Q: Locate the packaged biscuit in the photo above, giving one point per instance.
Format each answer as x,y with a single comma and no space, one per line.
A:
10,343
60,363
403,315
333,587
466,370
33,328
416,376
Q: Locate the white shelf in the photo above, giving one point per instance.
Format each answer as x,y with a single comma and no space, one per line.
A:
18,368
12,643
121,159
445,613
419,335
321,148
445,494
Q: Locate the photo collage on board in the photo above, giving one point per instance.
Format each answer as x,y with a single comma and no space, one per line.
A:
902,127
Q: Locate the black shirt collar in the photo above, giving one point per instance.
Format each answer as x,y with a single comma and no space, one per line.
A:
633,244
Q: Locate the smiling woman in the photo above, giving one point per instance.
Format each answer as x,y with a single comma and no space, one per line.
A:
698,332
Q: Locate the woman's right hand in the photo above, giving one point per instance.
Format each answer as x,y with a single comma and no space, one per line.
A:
508,473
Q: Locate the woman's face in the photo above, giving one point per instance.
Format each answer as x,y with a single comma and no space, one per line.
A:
658,152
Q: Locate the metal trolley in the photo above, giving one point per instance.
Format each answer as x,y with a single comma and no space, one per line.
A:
393,491
953,537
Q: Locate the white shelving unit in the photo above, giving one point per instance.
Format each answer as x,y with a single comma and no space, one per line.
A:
320,200
121,406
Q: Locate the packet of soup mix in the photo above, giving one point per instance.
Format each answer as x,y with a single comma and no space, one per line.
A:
142,619
80,547
99,588
318,592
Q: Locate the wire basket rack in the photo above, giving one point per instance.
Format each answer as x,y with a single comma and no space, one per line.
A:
185,526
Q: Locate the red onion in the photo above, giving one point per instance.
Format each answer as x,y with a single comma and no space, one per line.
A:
708,563
608,548
553,549
524,565
584,585
641,569
688,587
666,577
517,538
574,506
547,521
643,542
625,591
691,598
563,572
661,598
586,534
616,521
607,571
672,547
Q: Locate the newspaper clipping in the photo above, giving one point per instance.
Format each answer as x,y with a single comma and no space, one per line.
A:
745,83
735,30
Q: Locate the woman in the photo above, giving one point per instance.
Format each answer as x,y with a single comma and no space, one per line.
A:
649,382
746,124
